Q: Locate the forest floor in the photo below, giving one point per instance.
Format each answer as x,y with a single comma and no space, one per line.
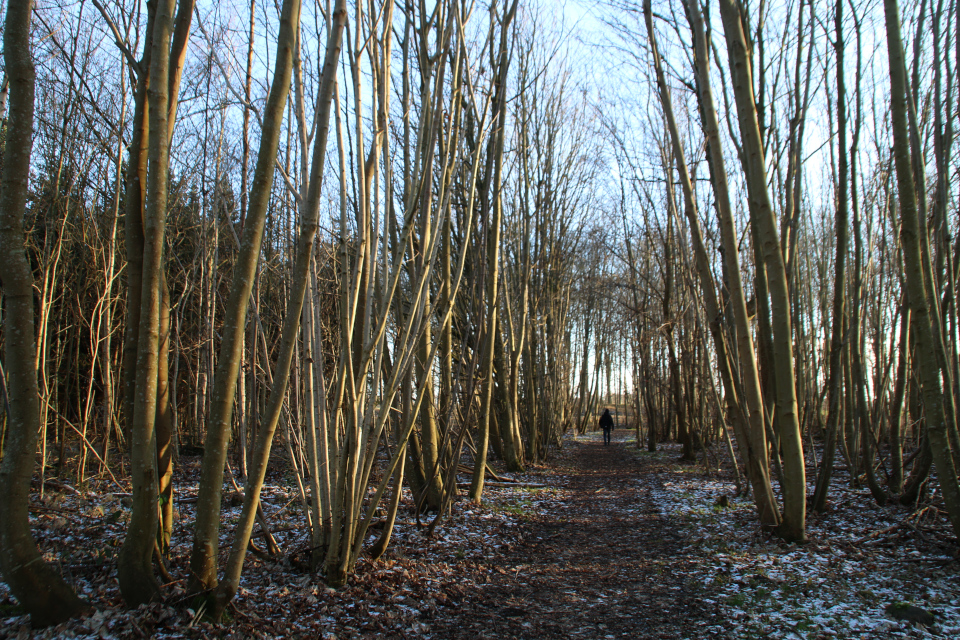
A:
601,542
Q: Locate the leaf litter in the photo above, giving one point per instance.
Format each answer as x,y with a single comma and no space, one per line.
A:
608,542
863,565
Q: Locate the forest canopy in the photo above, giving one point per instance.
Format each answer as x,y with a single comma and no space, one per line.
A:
374,246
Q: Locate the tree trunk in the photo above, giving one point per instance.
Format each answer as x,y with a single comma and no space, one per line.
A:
839,280
917,285
165,424
764,221
258,461
134,563
39,589
493,252
752,435
203,559
896,404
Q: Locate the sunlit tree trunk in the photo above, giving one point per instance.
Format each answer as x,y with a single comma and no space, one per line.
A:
304,249
134,562
247,394
492,250
764,222
136,185
752,436
917,284
203,560
165,424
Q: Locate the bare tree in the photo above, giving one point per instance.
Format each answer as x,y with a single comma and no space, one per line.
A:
41,591
919,286
203,563
765,227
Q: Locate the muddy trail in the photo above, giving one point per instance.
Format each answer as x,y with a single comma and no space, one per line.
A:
602,563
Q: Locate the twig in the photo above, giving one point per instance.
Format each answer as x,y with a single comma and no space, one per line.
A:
63,487
280,510
880,532
469,470
903,523
89,446
261,534
272,547
39,508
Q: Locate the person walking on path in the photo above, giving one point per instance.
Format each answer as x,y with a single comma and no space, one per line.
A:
606,423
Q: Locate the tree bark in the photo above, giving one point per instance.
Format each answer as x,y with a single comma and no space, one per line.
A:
763,220
917,285
39,589
203,559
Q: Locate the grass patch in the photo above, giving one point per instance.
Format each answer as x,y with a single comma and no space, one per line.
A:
737,600
520,508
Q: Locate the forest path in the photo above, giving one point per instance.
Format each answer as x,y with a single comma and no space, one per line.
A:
602,563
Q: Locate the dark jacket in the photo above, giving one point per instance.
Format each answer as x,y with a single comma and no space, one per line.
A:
606,420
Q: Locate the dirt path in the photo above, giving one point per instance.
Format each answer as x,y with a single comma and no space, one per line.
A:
588,555
603,564
611,543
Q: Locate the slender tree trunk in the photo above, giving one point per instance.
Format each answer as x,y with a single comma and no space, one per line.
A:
380,546
134,564
39,589
896,404
247,382
839,280
752,435
917,285
245,137
308,230
676,384
763,220
133,221
512,442
106,348
165,424
486,364
493,252
203,559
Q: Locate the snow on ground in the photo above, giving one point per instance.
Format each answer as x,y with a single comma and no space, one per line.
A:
862,565
79,531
